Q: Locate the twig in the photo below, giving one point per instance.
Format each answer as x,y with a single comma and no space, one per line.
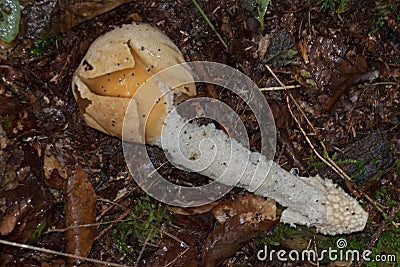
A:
180,242
209,23
114,203
57,230
122,196
275,88
339,171
327,160
376,206
142,250
384,83
177,257
45,250
118,220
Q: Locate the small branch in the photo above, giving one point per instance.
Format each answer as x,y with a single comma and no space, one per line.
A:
180,242
275,88
44,250
327,160
376,206
143,248
118,220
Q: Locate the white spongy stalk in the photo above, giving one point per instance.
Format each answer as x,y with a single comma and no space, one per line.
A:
309,201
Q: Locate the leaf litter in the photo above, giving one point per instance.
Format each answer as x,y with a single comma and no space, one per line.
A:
80,215
347,66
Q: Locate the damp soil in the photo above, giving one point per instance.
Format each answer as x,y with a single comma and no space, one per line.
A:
342,69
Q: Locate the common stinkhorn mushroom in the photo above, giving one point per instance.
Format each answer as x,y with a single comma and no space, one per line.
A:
121,61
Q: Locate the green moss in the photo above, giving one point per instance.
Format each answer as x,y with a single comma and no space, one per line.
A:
339,5
315,164
360,164
42,44
385,12
272,238
279,234
143,225
383,194
388,246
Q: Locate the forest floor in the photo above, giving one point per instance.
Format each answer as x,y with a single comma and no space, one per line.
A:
341,66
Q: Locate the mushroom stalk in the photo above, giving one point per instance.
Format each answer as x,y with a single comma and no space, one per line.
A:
310,201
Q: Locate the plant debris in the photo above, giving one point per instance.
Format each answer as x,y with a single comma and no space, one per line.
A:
241,220
80,215
345,76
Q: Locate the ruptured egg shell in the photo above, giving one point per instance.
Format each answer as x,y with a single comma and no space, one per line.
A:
114,68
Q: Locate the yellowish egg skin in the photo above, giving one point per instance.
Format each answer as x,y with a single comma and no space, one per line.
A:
116,65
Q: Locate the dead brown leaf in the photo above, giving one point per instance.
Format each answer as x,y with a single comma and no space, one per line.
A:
80,210
244,218
55,168
8,224
249,203
192,210
77,12
335,67
263,45
174,253
50,164
9,106
303,49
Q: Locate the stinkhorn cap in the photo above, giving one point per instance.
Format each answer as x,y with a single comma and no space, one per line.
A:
116,65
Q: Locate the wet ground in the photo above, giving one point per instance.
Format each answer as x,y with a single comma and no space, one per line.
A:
342,69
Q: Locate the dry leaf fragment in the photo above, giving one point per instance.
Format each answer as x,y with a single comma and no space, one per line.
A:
227,238
192,210
303,49
174,253
51,163
8,224
80,210
251,215
263,45
76,12
265,208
